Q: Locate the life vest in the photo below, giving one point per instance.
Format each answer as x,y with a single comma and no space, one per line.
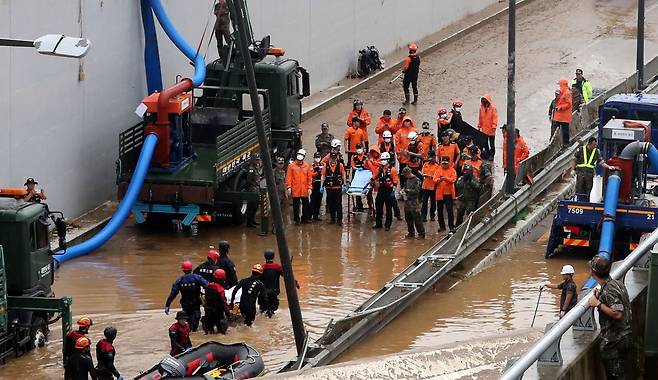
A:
333,178
588,161
414,161
385,178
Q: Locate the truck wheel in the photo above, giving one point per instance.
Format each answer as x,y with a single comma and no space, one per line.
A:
38,332
239,208
554,240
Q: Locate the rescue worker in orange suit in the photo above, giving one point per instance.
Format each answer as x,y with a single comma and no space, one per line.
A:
252,290
385,183
356,164
428,140
80,365
487,123
333,178
402,143
189,285
563,110
414,153
410,68
442,120
316,194
179,334
445,178
105,354
360,113
402,114
226,264
521,151
456,120
335,147
428,187
216,309
84,323
207,268
272,273
448,149
299,183
354,136
385,123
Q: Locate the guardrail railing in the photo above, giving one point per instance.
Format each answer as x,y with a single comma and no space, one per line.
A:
574,315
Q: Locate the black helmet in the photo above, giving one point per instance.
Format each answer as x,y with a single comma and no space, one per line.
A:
181,315
268,254
223,247
317,155
357,101
324,125
110,333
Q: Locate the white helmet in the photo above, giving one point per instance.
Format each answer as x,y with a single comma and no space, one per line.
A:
301,152
385,156
412,135
567,269
335,143
387,134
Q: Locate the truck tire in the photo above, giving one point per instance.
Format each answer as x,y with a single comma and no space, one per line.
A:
239,208
554,240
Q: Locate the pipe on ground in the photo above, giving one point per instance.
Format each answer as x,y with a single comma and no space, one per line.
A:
122,212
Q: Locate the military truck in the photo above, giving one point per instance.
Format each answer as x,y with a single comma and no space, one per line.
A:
27,302
213,137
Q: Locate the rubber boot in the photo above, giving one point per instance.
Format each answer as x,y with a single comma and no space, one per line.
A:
415,99
406,99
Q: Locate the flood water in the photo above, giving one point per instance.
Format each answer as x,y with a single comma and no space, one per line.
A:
127,281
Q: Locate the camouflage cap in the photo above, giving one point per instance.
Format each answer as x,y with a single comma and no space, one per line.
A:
406,170
600,265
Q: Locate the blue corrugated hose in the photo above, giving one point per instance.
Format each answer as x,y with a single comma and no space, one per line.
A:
151,52
122,212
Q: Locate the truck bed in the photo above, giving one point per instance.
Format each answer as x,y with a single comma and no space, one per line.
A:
200,172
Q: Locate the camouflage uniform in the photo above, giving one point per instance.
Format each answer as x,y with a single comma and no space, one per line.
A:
280,183
323,143
254,175
615,334
412,207
486,182
468,194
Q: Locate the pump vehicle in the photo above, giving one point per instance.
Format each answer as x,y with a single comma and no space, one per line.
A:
197,173
27,302
623,119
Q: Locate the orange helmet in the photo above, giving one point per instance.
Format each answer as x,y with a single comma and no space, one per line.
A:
219,274
213,255
257,268
82,342
186,265
457,102
413,47
85,322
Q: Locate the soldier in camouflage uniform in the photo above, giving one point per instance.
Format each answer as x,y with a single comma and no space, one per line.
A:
468,193
280,180
323,140
254,176
412,205
614,308
486,182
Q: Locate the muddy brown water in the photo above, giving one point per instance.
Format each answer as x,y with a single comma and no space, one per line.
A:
126,282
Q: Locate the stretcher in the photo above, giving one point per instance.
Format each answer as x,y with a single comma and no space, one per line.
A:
360,186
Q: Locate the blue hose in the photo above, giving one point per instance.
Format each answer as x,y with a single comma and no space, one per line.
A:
151,52
122,212
181,44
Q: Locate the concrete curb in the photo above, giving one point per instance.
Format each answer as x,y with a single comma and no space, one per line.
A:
314,110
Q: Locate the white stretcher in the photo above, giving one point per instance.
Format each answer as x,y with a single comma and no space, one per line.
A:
358,187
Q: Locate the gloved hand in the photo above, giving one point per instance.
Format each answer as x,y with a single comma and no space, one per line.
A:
119,377
345,188
289,192
321,189
166,310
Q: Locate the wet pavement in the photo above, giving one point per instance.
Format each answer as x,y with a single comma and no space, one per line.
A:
127,281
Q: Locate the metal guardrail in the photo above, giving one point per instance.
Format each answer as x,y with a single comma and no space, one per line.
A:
574,315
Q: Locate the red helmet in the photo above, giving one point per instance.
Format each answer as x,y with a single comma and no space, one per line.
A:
219,274
257,268
457,102
413,47
186,265
441,111
85,322
213,255
82,342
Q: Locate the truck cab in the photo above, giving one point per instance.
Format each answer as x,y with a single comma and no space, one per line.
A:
623,118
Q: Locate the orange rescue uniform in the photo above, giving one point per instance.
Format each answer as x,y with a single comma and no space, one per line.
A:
355,136
299,179
379,128
451,151
429,143
445,179
362,115
488,120
428,171
402,142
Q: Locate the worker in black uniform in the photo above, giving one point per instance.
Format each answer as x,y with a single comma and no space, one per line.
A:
189,285
254,176
207,268
80,365
252,289
271,274
227,265
410,69
105,354
316,193
84,323
216,308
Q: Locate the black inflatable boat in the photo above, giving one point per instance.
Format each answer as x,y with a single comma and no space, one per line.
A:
209,361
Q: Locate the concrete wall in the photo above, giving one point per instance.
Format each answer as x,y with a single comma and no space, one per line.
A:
63,130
